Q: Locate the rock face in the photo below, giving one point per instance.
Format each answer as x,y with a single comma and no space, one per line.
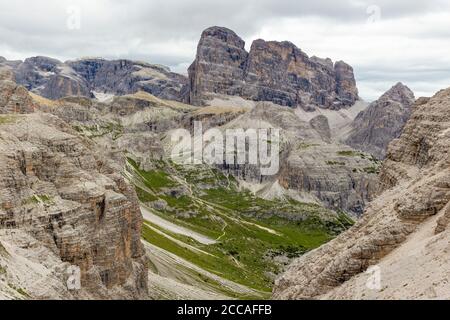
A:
14,99
63,204
411,215
374,128
219,65
122,77
54,79
321,125
50,78
272,71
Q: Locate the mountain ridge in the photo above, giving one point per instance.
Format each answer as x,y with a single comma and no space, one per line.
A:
273,71
382,121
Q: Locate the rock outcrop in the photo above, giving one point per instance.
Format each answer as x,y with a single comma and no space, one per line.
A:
54,79
272,71
121,77
14,99
63,204
383,121
410,216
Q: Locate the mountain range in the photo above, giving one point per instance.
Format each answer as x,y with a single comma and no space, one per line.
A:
87,180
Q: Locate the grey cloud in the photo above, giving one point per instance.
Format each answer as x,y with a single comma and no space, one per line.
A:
166,31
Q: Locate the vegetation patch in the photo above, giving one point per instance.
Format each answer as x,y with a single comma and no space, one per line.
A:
20,291
100,130
154,179
247,228
304,146
2,270
335,163
41,198
3,250
350,153
372,170
8,119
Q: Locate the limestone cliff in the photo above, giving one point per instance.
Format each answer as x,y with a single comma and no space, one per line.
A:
272,71
88,77
63,204
404,232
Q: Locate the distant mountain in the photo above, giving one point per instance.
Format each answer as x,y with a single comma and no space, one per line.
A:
374,128
278,72
88,77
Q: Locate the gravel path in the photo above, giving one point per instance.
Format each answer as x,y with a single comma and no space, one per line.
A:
172,227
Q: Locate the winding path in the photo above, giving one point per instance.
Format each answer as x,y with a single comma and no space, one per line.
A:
172,227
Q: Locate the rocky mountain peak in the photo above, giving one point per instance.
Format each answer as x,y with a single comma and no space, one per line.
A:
42,61
400,93
326,62
223,35
345,83
404,231
374,128
273,71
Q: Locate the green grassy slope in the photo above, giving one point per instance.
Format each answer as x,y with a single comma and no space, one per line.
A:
249,231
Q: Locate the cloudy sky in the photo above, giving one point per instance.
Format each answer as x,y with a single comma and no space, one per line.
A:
386,41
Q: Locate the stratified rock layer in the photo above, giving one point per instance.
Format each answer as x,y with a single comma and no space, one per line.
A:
14,99
54,79
411,215
333,174
272,71
63,204
374,128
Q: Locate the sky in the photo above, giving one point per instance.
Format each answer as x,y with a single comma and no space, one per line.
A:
386,41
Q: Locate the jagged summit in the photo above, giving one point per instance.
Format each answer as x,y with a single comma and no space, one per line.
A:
271,71
85,77
374,128
400,93
225,35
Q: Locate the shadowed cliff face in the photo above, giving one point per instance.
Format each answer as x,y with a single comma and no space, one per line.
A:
411,215
14,99
310,163
374,128
272,71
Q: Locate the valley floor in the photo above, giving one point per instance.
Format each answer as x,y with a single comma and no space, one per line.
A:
208,239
